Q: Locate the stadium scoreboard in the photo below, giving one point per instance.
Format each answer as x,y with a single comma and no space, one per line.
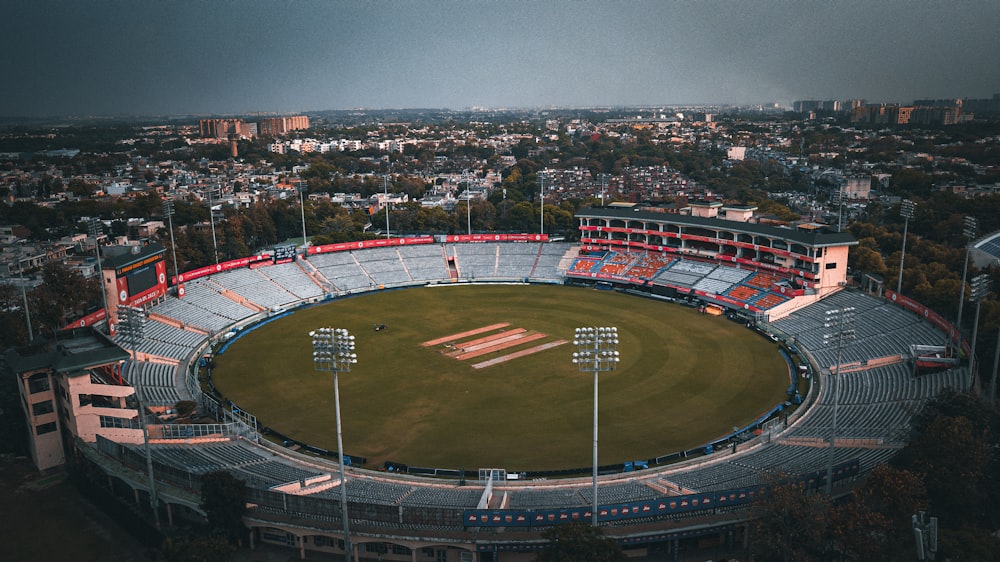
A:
284,254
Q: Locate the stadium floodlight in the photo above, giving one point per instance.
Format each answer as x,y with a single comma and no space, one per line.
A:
980,288
24,295
168,210
906,211
385,189
468,201
541,208
211,215
841,319
596,352
131,325
992,393
94,229
333,351
969,231
302,209
840,207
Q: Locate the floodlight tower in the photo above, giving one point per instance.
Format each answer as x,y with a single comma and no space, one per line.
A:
302,208
468,201
992,394
168,210
905,211
980,288
842,320
541,208
971,225
385,188
24,294
333,351
131,324
596,352
604,187
211,214
840,207
93,229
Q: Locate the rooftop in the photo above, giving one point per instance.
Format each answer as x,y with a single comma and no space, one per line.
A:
66,352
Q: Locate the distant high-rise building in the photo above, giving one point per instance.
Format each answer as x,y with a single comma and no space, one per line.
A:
270,126
903,114
983,105
223,128
275,126
803,106
857,187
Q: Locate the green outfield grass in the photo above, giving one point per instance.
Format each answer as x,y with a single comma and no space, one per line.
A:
684,379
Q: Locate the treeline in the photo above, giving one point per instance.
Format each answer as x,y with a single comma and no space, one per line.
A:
948,470
934,259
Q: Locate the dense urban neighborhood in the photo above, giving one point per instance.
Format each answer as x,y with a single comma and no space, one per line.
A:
212,190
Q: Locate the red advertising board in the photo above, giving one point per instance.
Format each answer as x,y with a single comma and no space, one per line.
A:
88,320
376,243
926,313
219,268
463,238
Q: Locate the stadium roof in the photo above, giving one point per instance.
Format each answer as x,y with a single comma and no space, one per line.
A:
118,256
989,245
67,352
810,237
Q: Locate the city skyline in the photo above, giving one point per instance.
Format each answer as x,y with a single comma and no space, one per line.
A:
185,57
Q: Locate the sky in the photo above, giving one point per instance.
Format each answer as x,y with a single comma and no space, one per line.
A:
182,57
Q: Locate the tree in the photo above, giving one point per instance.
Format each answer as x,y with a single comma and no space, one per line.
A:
578,541
13,324
867,260
63,293
952,454
522,217
223,497
210,547
789,522
875,523
954,451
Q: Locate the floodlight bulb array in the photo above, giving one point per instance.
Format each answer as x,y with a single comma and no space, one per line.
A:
980,287
131,321
333,349
596,348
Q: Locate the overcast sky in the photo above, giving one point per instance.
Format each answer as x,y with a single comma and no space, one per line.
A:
87,57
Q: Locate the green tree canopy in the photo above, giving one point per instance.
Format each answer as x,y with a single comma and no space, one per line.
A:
789,522
223,497
578,541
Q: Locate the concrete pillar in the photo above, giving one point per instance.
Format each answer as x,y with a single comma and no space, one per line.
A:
170,514
302,548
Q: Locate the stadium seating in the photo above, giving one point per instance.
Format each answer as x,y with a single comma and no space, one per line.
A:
875,401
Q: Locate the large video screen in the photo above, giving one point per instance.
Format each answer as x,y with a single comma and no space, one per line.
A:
141,280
